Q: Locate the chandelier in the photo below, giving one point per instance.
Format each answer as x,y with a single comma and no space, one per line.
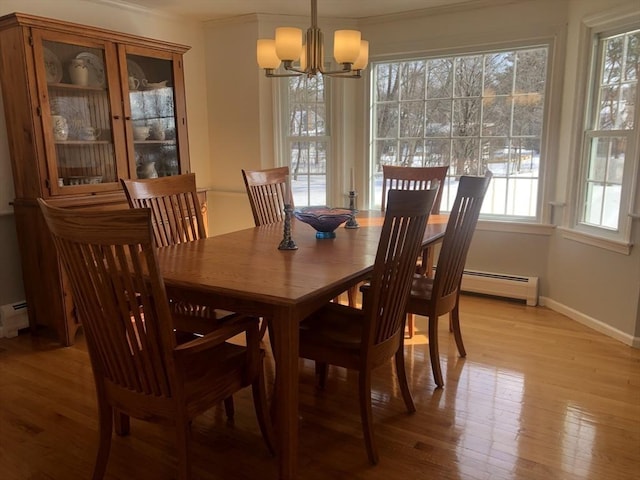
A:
349,51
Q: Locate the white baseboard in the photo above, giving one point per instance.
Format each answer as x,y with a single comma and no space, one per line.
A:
591,322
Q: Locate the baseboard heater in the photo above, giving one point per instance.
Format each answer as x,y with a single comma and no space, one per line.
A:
501,285
13,317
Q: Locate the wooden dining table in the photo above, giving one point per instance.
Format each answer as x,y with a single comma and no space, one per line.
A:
245,272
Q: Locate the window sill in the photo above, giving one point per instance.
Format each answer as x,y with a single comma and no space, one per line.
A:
600,242
515,227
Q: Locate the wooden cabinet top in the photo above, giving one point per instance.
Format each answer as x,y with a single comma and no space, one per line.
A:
34,21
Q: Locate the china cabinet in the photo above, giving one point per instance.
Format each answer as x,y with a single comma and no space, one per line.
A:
84,107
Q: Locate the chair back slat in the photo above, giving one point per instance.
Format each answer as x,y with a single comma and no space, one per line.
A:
110,260
457,239
413,178
268,192
176,213
402,232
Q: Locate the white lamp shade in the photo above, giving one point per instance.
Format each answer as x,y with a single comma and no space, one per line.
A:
288,43
363,57
346,46
266,54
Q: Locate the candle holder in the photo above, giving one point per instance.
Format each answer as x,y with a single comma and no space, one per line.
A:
287,242
352,222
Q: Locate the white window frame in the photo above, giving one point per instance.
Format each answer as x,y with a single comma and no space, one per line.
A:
284,141
539,223
619,239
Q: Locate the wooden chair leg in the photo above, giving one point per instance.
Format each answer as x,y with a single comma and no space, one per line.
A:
402,380
411,326
262,412
263,327
121,423
454,320
105,427
183,434
322,373
366,414
433,351
352,295
229,408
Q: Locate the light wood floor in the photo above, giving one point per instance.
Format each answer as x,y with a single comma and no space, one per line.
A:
538,397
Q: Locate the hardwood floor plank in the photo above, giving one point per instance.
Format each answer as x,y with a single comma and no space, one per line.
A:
538,397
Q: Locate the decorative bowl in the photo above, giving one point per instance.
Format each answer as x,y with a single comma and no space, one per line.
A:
323,219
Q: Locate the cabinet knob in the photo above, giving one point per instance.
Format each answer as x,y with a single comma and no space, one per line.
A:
116,117
127,118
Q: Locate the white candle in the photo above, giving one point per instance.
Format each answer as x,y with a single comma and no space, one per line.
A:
287,194
353,183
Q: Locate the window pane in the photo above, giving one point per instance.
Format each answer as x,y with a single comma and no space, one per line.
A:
413,80
466,117
438,118
527,114
468,79
604,181
387,120
440,78
496,116
386,78
412,119
633,54
608,118
411,153
498,74
531,71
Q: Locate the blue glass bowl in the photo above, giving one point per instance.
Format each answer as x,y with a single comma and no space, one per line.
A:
323,219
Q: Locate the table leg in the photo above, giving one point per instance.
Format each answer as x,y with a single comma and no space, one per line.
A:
285,330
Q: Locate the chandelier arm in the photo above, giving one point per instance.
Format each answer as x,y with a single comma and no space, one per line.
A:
268,72
350,74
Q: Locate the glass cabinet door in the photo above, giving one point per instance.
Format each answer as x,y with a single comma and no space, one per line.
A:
79,136
153,115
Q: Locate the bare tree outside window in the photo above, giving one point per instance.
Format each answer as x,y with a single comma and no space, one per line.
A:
471,112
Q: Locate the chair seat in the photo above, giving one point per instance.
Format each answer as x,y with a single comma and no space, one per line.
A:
203,370
421,288
335,326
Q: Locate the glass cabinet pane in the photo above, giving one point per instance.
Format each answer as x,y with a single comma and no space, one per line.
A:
80,115
153,116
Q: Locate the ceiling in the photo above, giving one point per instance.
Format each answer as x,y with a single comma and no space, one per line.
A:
214,9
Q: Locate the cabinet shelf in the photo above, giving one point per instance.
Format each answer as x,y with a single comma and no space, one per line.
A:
71,86
155,142
75,172
81,143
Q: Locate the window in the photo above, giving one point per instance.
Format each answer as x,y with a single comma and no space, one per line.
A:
306,138
472,112
610,138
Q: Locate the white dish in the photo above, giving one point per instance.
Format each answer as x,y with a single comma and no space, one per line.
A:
96,69
52,66
135,70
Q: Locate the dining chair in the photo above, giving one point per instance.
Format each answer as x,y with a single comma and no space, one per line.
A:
139,368
411,178
268,191
364,339
433,297
176,218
